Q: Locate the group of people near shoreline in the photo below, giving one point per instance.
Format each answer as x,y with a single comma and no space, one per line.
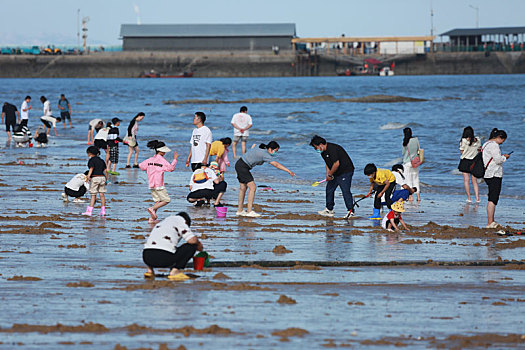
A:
207,180
17,121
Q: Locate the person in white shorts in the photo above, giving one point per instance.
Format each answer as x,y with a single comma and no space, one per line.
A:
241,123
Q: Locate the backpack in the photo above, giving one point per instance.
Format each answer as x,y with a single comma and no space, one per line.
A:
478,168
200,176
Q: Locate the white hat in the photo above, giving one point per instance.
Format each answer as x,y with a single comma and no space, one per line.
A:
164,149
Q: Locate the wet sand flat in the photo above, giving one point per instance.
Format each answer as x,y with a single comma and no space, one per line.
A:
70,280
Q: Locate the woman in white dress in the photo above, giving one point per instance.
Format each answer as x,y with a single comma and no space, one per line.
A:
410,151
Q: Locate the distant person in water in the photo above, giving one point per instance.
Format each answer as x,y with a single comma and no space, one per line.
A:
131,139
241,123
255,156
65,110
469,147
9,113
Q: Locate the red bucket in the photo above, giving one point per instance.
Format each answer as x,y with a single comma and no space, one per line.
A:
198,262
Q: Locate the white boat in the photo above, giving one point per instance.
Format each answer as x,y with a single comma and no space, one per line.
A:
386,72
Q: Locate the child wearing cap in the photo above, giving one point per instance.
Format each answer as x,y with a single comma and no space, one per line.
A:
155,168
113,139
383,182
393,218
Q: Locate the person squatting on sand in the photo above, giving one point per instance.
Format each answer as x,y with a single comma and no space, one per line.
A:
255,156
22,136
393,218
204,186
339,173
404,191
219,149
493,161
155,168
113,139
469,147
201,139
383,182
241,123
48,119
131,139
161,251
97,177
41,137
76,188
410,152
94,126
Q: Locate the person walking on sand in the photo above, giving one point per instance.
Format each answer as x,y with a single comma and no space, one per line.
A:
241,123
65,110
469,147
97,177
339,173
201,139
48,119
410,152
94,126
162,251
131,139
243,167
219,149
155,167
493,161
9,113
26,107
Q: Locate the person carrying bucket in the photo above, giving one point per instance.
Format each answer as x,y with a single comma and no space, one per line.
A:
243,167
161,251
155,167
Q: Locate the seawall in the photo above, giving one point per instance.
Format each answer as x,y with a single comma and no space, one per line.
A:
243,64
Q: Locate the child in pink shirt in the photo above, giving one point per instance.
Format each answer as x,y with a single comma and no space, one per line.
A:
155,168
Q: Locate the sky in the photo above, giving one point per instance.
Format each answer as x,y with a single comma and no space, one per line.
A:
37,22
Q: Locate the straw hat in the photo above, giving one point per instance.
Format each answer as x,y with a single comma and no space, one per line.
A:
398,206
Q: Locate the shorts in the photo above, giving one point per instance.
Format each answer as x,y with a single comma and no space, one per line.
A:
113,154
101,144
10,124
160,195
241,138
91,128
75,194
65,115
199,194
97,185
243,172
465,164
494,184
195,166
165,259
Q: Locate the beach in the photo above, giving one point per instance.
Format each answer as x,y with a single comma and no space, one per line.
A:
291,278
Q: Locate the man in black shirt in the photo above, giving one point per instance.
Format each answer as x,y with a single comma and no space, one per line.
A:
339,172
9,112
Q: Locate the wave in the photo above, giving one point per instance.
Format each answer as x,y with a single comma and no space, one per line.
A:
261,132
397,160
393,126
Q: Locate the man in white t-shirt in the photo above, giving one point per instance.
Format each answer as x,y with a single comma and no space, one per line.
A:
201,139
48,119
24,111
241,123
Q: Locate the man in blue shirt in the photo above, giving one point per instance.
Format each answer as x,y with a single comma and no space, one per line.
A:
65,110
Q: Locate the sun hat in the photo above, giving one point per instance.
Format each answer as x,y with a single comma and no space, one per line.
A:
164,149
214,164
398,206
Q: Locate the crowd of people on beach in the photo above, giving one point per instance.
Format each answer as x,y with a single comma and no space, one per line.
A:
209,161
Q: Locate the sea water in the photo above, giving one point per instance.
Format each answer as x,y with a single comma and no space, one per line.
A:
370,132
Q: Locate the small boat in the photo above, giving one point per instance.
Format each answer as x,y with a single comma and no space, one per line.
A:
153,74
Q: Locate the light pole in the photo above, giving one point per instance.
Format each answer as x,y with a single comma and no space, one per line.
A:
477,14
78,29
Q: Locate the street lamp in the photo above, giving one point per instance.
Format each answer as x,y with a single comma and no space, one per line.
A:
477,14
